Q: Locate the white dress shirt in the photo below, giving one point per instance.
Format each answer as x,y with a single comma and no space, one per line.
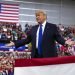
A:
43,27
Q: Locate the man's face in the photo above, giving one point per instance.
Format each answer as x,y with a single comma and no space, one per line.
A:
40,17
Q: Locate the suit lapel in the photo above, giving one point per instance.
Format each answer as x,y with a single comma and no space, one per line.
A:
36,29
35,32
45,31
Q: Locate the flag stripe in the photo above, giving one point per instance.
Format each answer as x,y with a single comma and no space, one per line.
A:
14,7
3,16
11,7
62,69
12,21
9,4
9,12
8,19
44,61
8,15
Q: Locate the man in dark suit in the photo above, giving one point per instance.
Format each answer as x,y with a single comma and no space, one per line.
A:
50,35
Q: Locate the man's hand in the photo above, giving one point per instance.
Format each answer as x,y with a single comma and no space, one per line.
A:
70,42
10,44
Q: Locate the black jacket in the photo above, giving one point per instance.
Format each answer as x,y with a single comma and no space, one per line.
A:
50,35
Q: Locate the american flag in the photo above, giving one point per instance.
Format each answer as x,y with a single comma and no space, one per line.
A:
9,12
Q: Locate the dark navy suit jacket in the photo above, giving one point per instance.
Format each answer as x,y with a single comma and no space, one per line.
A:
50,35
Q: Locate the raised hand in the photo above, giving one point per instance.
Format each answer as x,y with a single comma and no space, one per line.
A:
70,42
10,44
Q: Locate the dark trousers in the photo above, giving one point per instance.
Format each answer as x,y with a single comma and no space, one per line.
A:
37,55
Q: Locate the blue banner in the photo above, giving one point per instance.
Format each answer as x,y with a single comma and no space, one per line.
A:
4,48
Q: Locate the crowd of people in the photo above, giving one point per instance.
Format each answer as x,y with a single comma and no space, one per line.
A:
6,64
67,33
12,31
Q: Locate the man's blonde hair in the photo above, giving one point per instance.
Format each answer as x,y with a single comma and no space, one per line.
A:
41,11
